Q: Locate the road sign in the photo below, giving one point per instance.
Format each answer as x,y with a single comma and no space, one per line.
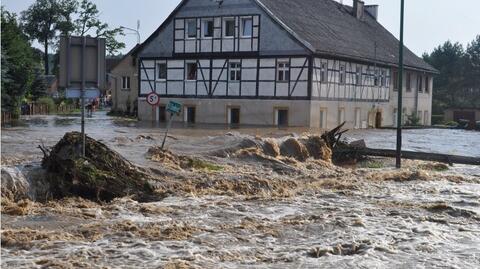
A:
153,99
82,67
77,93
174,107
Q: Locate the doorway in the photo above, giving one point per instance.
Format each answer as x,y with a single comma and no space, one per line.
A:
190,114
234,115
162,114
378,119
282,117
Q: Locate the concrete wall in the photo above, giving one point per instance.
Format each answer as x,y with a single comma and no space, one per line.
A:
121,97
252,112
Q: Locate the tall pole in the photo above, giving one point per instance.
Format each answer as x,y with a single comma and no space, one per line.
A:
82,95
400,90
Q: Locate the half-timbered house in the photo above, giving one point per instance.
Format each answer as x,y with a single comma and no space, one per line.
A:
311,63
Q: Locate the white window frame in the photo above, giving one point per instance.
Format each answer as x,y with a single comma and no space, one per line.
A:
186,71
358,75
187,28
205,27
342,72
283,67
126,83
323,72
383,78
242,26
158,69
225,20
237,69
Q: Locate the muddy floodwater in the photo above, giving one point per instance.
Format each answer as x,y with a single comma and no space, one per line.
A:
238,208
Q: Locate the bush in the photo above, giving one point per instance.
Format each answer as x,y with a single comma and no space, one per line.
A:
413,120
47,101
437,119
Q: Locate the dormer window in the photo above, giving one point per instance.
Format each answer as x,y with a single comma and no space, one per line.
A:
191,29
229,28
247,26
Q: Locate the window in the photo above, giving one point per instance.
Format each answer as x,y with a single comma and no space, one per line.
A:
247,25
229,28
342,74
395,80
125,83
376,80
191,71
409,82
426,119
208,28
235,71
427,84
283,71
358,76
162,71
420,82
191,29
383,79
324,73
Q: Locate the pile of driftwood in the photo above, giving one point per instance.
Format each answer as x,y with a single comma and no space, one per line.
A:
358,150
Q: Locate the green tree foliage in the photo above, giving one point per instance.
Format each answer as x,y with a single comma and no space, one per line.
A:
18,63
88,21
458,83
44,19
39,85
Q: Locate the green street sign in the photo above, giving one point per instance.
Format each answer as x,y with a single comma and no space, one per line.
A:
174,107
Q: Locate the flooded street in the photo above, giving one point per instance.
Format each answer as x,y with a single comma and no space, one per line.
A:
243,209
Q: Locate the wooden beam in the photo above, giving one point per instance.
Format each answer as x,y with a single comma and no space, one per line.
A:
412,155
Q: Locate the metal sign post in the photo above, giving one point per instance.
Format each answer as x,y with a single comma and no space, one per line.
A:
82,70
82,95
174,108
400,90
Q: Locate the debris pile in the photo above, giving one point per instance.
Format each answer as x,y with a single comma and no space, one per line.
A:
102,174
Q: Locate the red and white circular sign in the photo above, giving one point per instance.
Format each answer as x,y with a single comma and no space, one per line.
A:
153,99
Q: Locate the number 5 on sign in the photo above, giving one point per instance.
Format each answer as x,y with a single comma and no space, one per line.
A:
153,99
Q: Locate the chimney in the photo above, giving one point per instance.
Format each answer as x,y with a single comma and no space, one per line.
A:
372,10
358,8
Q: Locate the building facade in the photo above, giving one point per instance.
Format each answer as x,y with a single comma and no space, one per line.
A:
271,62
123,79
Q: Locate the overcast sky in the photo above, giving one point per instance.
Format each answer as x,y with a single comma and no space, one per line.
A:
428,23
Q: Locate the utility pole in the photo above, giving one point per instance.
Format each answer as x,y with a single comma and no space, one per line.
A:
400,89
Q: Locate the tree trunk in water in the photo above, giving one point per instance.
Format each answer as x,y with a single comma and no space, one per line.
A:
45,56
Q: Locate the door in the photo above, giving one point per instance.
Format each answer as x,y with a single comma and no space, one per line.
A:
190,114
234,115
378,120
323,119
162,114
282,117
357,118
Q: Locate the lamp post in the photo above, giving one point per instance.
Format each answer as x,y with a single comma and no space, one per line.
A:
134,30
400,90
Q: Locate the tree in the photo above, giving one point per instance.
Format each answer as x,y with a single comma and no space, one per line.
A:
448,59
88,21
18,63
458,84
39,85
472,55
44,19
